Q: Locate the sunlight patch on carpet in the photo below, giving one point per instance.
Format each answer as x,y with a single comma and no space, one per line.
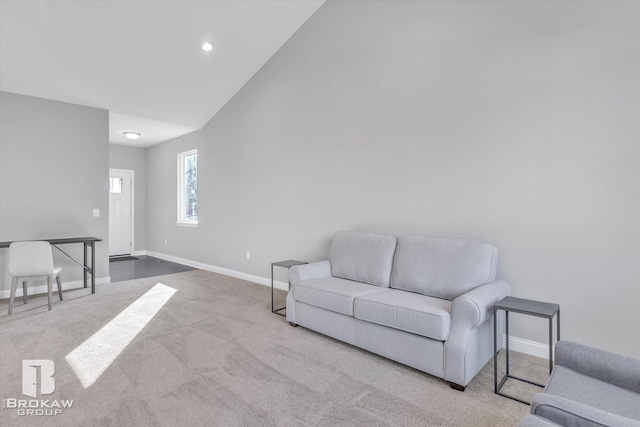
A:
91,358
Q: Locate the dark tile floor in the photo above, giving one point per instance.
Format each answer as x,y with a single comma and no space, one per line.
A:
144,266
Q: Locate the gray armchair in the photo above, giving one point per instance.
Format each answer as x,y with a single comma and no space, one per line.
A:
533,421
589,387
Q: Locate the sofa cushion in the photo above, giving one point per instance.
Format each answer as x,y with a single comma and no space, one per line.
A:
364,257
442,268
587,390
407,311
333,294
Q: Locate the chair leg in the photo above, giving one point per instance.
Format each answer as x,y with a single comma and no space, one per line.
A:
14,285
59,287
50,289
24,291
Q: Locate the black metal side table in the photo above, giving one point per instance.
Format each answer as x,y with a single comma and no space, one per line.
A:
284,264
532,308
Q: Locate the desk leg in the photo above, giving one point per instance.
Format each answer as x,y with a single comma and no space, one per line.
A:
272,307
85,264
93,267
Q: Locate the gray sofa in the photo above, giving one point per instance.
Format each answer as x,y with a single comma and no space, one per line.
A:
426,303
589,387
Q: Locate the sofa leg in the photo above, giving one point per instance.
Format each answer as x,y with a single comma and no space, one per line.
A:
293,324
456,386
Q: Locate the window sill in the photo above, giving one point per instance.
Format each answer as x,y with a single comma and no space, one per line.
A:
186,224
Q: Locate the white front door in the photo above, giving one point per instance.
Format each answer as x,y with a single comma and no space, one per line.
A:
119,212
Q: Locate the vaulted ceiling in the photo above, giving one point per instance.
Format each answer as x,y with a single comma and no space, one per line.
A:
143,60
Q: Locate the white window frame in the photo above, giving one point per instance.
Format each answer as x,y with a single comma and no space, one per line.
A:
182,221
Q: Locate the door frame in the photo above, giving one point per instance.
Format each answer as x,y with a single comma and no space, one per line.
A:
131,173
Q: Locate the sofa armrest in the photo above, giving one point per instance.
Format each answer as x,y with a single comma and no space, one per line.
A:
470,312
609,367
473,308
300,273
314,270
567,412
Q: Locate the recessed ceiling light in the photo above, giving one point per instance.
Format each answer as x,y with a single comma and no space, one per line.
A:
132,135
207,47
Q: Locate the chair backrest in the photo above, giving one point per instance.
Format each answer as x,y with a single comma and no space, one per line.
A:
30,259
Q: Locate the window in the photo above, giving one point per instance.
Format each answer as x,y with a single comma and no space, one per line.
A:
115,185
188,188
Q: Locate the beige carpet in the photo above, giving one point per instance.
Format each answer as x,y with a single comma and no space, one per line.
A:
216,355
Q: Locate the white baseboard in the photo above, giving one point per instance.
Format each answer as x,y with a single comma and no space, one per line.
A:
139,253
532,348
521,345
227,272
42,289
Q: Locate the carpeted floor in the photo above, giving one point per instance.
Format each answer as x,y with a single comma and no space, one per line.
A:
216,356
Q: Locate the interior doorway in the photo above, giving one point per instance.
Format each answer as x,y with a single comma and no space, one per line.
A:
120,212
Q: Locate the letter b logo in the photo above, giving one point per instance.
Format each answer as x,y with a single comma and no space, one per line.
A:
30,377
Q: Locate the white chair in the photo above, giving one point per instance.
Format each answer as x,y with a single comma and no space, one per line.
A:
32,261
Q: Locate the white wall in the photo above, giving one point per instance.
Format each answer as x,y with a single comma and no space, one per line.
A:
135,159
53,172
514,123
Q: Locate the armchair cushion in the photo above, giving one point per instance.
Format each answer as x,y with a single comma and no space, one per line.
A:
533,421
569,413
593,392
590,387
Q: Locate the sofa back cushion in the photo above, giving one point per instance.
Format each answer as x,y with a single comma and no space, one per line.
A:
363,257
442,268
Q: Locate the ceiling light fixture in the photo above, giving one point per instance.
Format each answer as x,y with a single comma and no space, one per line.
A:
132,135
207,47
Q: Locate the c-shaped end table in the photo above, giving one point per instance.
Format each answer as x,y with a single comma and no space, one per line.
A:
285,264
532,308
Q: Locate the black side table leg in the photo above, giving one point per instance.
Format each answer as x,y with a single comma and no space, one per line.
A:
550,344
85,264
495,350
506,316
